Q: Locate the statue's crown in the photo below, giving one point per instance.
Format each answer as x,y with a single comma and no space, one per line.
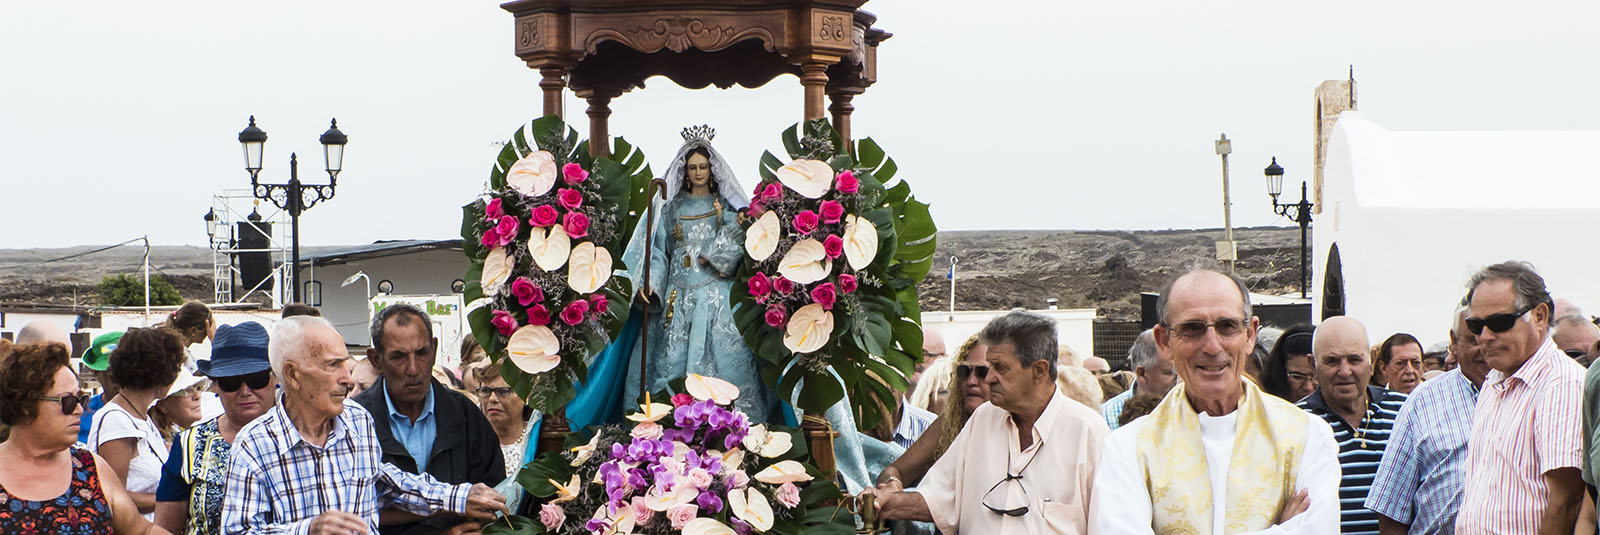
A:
702,133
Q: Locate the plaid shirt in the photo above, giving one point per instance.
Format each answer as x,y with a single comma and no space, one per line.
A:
278,483
1420,479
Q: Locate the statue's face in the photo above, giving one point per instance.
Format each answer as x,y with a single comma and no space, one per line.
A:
697,170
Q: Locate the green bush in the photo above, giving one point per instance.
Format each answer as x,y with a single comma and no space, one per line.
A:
128,290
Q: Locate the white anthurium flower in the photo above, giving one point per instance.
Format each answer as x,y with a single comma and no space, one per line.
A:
810,178
660,501
809,329
567,492
619,523
496,271
651,412
752,507
732,460
717,390
767,444
549,249
806,262
586,451
706,526
589,268
534,174
534,349
762,237
783,472
860,242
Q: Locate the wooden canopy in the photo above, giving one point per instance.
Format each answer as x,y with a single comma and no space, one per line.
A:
604,48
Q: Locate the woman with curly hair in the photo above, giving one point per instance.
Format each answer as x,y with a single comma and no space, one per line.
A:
144,366
49,486
969,390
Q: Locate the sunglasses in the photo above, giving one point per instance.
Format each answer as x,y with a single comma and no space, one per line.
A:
965,370
1498,323
1011,512
256,381
501,392
1576,353
70,402
1195,330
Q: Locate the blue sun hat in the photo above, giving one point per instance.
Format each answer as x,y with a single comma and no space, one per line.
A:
237,350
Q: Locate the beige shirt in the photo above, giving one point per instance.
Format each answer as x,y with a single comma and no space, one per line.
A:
1057,471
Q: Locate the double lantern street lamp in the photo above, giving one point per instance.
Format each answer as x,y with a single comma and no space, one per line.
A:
294,197
1300,212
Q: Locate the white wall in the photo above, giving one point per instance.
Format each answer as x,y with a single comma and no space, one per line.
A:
1074,327
426,272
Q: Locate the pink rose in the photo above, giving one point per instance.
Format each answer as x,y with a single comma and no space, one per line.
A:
782,285
776,316
824,295
574,312
577,224
491,238
847,282
700,478
832,211
833,246
538,315
598,304
504,322
682,514
738,479
647,430
574,173
847,182
544,216
805,221
679,400
494,210
641,510
759,285
569,198
552,516
755,211
773,192
788,495
526,291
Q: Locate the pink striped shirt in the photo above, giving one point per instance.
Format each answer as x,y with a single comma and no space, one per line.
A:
1525,425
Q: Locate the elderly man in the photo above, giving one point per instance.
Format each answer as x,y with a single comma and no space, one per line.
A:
313,463
1217,455
1524,455
1417,488
1575,336
1033,480
423,426
1360,414
1152,374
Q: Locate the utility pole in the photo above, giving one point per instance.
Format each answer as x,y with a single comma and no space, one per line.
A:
1227,250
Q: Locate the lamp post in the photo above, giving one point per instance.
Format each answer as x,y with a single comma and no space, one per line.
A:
1300,212
294,196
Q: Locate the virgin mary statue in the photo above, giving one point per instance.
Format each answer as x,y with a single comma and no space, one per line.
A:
695,252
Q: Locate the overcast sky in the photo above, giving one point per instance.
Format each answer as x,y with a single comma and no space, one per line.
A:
119,119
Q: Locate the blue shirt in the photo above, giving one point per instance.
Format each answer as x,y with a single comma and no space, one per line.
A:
1360,451
417,436
1420,480
913,421
87,423
1112,408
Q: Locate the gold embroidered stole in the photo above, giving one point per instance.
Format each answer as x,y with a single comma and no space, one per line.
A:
1270,434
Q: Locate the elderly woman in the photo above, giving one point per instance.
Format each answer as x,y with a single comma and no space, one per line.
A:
970,390
49,486
513,421
144,365
181,408
934,388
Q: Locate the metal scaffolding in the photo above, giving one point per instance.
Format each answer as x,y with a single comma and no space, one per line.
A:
230,208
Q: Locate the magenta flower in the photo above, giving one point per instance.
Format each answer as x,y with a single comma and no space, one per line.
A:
569,198
598,303
782,285
507,228
491,238
679,400
776,316
832,212
504,322
574,173
847,282
833,246
493,211
805,221
526,291
576,224
544,216
759,285
773,192
538,315
847,182
574,312
824,295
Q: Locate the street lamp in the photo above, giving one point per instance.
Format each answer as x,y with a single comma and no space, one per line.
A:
212,223
1300,212
352,280
294,197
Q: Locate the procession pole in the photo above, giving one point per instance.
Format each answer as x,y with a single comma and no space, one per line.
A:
659,188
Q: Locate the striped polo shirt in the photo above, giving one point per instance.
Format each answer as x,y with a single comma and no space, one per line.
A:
1360,451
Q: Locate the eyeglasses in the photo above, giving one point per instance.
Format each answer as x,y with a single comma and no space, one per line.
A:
964,370
194,389
70,402
930,356
1498,323
501,392
256,381
1576,353
1300,377
1014,511
1195,330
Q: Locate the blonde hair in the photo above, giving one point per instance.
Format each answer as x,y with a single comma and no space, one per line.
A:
1079,385
936,376
1065,356
953,417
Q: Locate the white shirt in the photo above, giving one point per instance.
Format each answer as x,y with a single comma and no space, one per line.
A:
1122,502
113,422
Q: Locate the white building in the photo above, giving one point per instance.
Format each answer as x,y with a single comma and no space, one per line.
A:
407,267
1074,326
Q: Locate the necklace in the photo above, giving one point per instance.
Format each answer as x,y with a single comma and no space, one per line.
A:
512,453
1361,431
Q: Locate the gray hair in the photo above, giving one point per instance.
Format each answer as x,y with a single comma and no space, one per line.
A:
397,312
1570,319
290,339
1032,334
1525,283
1166,293
1144,351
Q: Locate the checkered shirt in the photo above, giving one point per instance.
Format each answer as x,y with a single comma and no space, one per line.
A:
1420,479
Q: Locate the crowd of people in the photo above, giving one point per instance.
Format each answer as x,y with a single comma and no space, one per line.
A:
1216,426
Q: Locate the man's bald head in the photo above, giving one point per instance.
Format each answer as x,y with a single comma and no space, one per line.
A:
932,346
43,331
1339,334
1096,365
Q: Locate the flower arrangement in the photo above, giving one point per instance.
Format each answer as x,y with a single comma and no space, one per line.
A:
832,258
543,243
695,467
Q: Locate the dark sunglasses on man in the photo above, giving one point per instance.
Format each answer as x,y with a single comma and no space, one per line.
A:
1499,322
256,381
70,402
966,370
